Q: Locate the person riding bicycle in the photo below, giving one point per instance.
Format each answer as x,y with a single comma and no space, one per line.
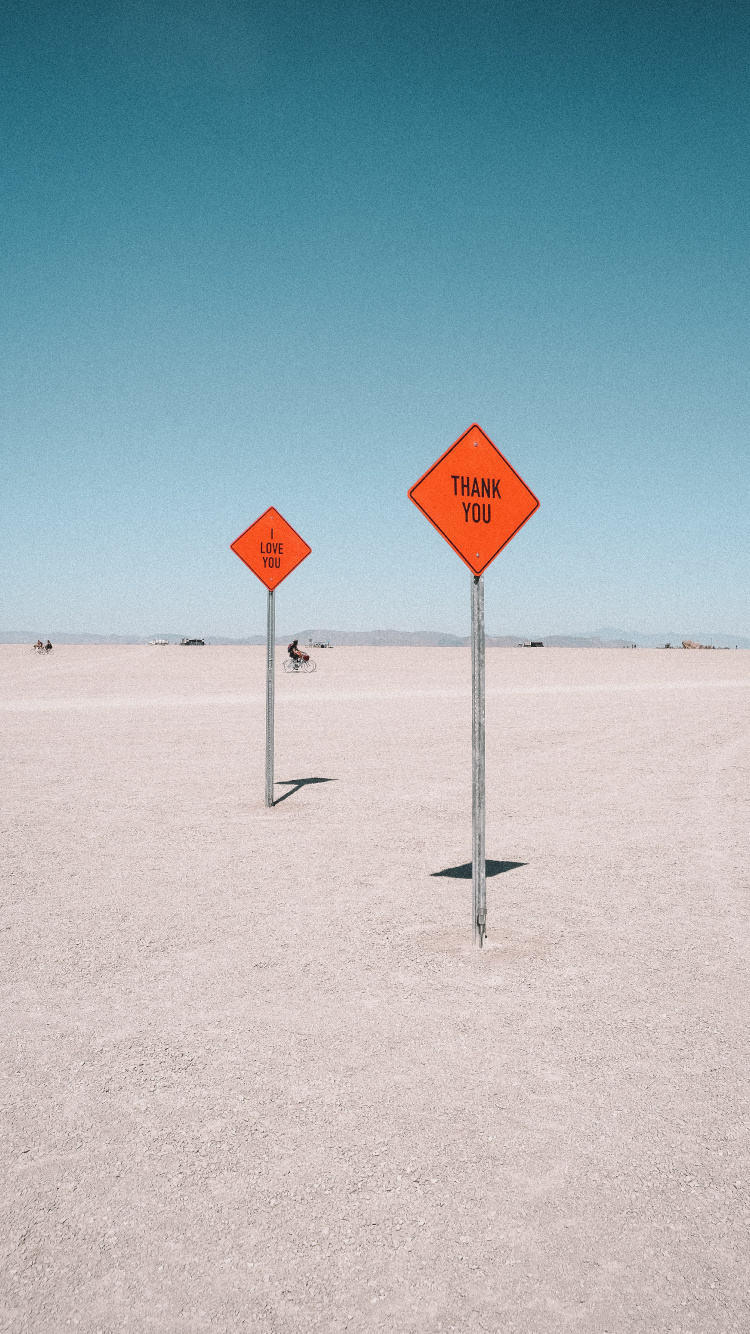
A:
296,654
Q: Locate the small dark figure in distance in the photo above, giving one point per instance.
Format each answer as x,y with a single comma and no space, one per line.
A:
48,647
296,654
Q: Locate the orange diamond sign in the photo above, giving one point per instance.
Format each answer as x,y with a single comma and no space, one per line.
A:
474,498
271,548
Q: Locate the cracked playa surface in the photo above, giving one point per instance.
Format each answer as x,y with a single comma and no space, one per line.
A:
254,1077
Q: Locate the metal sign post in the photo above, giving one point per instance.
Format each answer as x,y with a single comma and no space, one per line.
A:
271,549
478,503
478,863
270,682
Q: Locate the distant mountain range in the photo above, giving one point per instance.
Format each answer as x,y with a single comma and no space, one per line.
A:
608,637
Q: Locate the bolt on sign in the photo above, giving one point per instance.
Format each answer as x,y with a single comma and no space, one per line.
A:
271,549
474,498
477,502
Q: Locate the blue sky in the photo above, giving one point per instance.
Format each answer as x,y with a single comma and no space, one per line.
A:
285,253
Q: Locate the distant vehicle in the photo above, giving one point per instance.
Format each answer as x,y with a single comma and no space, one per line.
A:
192,641
319,643
158,641
532,643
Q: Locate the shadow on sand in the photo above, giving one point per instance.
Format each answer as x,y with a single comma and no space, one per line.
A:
491,868
294,785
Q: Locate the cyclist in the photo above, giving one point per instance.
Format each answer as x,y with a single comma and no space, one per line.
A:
296,653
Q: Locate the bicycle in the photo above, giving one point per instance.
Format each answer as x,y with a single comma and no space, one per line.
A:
300,665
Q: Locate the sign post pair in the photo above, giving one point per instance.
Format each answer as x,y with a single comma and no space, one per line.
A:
271,549
478,503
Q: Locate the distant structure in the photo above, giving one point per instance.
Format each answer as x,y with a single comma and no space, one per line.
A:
531,643
319,643
690,643
193,641
160,642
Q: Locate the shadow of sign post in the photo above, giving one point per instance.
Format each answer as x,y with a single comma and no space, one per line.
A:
464,872
294,785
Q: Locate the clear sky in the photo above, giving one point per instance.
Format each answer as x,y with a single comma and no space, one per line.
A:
270,252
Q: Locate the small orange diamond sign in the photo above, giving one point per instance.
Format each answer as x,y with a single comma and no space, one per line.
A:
271,548
474,498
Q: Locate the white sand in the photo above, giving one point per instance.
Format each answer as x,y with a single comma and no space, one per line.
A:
254,1077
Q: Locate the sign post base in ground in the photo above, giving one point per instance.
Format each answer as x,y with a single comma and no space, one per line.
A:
478,858
270,682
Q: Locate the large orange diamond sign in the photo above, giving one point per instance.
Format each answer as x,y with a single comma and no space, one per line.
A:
474,499
271,548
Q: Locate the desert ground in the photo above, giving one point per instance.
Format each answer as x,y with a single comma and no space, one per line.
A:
255,1078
